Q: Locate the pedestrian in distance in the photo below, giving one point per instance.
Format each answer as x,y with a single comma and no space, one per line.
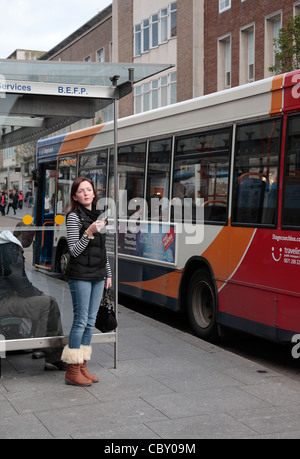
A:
20,199
89,271
15,198
10,201
47,204
3,202
20,298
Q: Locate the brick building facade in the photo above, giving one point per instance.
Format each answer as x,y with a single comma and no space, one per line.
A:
217,44
258,19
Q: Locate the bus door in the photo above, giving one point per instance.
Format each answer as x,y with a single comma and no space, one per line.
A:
44,214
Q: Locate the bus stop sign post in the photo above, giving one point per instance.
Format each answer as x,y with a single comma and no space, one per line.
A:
116,216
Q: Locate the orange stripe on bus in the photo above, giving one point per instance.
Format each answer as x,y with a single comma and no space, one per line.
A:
79,140
166,285
230,244
277,95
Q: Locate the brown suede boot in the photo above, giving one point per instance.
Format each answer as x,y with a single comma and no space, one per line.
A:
87,353
75,377
74,359
87,374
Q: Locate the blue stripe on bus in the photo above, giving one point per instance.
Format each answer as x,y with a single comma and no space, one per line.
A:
135,271
150,297
50,147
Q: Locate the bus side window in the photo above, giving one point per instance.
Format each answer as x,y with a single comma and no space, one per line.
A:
131,160
291,183
256,166
201,176
250,197
158,178
291,202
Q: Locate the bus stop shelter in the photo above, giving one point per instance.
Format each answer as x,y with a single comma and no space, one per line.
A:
38,98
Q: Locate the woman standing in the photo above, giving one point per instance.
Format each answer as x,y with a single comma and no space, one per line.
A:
89,270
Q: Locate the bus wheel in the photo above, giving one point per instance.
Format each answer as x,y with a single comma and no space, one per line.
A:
201,306
64,259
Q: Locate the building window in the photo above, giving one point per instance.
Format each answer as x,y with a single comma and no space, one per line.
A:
108,113
156,30
227,64
173,88
224,63
138,106
146,97
164,25
88,59
296,8
251,55
155,94
163,91
173,14
158,93
272,26
100,55
146,35
247,55
224,5
138,40
9,152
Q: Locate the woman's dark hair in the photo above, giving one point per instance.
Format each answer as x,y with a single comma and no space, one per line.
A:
74,205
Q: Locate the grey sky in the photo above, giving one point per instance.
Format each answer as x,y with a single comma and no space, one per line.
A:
42,24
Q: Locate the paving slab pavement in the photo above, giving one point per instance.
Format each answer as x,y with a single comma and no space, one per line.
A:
167,385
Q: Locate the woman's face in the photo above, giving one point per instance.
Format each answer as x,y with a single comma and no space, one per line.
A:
85,194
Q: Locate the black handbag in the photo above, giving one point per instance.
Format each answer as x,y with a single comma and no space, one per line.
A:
106,318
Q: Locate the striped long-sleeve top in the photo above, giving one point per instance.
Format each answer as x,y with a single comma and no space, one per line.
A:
76,243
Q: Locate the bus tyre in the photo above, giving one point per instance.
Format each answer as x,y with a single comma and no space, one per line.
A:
64,260
201,306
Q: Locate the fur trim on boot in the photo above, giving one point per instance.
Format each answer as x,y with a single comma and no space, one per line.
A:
72,356
87,352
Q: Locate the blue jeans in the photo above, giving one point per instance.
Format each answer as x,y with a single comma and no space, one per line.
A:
86,297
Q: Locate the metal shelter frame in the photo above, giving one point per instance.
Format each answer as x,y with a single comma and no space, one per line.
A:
38,98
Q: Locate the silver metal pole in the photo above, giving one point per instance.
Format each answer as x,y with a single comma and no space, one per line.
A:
116,218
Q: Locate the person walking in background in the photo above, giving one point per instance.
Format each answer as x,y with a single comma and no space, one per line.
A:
15,198
46,204
28,198
10,201
89,272
20,199
2,202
